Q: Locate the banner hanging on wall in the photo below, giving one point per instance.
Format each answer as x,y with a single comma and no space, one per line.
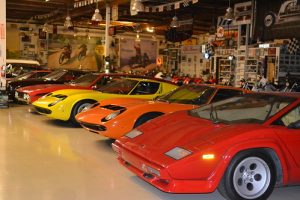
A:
277,19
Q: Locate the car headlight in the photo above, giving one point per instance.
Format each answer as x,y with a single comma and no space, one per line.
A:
134,133
112,115
54,102
26,97
61,98
46,95
178,153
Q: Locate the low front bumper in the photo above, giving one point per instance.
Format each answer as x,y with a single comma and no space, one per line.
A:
158,176
94,128
41,110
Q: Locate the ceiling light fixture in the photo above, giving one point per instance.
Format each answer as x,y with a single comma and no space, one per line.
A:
45,27
150,29
136,6
175,23
68,23
229,15
137,38
97,16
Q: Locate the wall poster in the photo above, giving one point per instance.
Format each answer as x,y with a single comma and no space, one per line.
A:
69,52
277,19
137,55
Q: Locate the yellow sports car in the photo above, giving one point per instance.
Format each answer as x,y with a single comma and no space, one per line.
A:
65,104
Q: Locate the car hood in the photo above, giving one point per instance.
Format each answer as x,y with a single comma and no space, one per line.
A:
70,92
106,107
181,130
39,87
29,89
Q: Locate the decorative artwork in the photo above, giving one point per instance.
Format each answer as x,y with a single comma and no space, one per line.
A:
277,19
68,52
137,55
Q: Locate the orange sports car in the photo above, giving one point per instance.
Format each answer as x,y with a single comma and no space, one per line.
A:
115,117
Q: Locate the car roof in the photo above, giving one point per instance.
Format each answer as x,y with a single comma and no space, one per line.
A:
8,61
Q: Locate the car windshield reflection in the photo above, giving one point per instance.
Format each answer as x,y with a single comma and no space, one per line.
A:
119,86
188,94
250,108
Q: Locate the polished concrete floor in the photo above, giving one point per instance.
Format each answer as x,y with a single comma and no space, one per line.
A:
44,159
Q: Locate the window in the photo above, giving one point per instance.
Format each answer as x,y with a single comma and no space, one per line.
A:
145,88
106,80
225,94
290,117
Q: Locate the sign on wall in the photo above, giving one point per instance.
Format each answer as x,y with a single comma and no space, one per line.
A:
277,19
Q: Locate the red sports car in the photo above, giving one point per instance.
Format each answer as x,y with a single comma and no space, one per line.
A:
29,94
243,146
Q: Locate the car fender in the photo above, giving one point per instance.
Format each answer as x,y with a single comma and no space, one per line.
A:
253,144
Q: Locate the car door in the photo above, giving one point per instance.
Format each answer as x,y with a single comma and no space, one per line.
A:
290,137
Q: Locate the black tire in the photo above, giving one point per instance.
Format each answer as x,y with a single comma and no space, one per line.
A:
78,108
269,19
146,117
250,175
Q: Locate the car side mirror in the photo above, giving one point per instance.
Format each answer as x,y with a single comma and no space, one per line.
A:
294,125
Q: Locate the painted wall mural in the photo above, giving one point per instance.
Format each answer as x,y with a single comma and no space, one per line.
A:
277,19
69,52
138,56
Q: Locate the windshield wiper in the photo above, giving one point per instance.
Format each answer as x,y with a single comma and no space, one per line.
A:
213,118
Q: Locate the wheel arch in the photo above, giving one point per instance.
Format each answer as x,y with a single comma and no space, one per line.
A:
78,101
272,150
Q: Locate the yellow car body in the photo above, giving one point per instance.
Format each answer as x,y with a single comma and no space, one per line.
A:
65,104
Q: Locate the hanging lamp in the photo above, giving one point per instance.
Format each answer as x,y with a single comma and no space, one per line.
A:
229,15
97,16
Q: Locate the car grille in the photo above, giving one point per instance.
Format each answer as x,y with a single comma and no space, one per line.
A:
43,110
93,127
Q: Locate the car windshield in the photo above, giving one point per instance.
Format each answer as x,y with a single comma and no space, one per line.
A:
85,80
54,75
189,94
119,86
250,108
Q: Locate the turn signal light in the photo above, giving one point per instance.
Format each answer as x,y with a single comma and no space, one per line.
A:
208,156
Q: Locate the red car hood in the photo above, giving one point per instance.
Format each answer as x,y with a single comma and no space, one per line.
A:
181,130
29,89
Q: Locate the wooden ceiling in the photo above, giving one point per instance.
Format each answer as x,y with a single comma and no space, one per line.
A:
204,13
